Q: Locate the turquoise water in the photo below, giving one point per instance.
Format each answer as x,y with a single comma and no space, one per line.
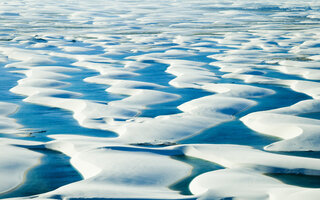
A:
199,167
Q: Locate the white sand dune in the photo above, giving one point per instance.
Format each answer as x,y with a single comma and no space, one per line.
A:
14,164
299,133
249,185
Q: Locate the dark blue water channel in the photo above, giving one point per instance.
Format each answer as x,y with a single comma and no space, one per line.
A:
53,171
